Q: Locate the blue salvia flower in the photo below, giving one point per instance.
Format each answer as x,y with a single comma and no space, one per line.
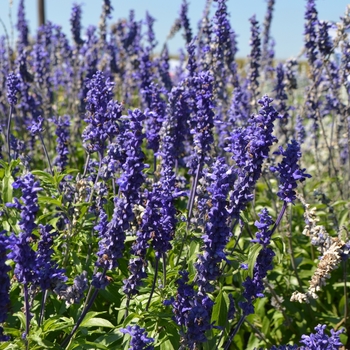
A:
36,127
28,106
4,284
111,162
168,193
41,61
21,252
48,272
217,228
175,127
150,32
167,212
231,309
254,286
144,76
150,228
139,339
322,341
289,171
22,25
112,234
13,85
163,68
75,23
179,72
102,114
191,62
29,206
239,112
155,116
280,93
133,28
310,32
225,43
132,177
73,294
137,267
205,26
106,13
250,146
331,86
62,141
185,23
192,311
266,58
324,40
202,120
300,130
254,59
88,67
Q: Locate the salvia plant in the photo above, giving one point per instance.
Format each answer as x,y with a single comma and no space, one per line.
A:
201,208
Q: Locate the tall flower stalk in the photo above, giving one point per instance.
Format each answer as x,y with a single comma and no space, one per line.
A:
12,84
26,269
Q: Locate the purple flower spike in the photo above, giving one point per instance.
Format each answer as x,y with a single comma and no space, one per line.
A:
192,311
102,114
36,127
29,198
21,252
322,341
13,85
310,31
62,133
185,23
75,21
254,286
255,58
22,25
139,339
250,146
217,229
48,273
289,172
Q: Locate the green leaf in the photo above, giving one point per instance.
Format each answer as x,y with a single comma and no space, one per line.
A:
252,256
44,176
7,189
12,331
220,308
44,344
57,323
108,339
50,200
22,318
97,322
91,315
167,345
90,345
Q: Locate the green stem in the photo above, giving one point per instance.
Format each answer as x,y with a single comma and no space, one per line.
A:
42,306
9,132
46,153
26,302
153,284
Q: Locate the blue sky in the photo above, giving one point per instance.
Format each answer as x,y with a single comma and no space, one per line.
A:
286,29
